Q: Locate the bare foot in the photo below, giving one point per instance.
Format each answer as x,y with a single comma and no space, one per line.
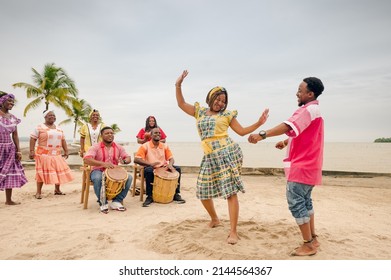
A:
315,242
214,223
307,249
12,203
233,238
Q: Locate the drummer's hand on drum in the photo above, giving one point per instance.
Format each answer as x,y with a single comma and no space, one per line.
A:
170,167
108,165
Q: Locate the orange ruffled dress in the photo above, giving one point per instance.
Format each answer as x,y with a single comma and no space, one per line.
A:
50,166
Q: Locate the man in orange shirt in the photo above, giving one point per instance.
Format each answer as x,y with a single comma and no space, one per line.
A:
154,154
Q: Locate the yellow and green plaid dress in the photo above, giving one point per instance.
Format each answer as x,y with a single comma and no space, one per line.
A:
222,161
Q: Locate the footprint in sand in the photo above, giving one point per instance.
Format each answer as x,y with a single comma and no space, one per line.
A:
192,239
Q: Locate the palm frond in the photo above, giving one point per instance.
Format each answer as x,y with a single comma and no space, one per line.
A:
67,121
33,104
54,86
115,128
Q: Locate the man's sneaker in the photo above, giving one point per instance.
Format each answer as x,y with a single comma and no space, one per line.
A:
147,201
179,199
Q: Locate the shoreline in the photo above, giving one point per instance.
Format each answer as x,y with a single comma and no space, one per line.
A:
250,171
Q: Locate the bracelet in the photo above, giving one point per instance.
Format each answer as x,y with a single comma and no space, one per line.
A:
283,144
178,86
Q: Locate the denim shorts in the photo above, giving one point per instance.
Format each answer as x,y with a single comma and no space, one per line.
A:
299,201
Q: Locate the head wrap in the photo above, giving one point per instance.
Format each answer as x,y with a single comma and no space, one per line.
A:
214,90
47,112
93,111
5,97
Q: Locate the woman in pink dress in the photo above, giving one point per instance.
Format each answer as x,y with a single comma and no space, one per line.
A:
11,170
50,164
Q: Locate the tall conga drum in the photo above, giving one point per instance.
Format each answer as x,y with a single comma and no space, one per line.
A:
115,181
165,183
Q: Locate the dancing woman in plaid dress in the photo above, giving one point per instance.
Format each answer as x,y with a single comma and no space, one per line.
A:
220,168
11,170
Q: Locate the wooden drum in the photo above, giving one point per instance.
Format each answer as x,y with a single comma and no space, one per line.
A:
165,183
115,181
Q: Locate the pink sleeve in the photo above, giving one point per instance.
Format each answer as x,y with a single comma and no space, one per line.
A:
122,153
91,153
35,133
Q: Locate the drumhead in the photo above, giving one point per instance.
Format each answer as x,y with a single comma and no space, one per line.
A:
117,173
166,174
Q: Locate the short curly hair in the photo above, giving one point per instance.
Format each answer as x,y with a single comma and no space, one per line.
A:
315,85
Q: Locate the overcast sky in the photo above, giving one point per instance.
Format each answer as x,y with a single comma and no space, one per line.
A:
126,55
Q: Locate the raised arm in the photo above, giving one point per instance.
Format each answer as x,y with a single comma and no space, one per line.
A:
239,129
186,107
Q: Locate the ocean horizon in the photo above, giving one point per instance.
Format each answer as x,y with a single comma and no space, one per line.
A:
338,156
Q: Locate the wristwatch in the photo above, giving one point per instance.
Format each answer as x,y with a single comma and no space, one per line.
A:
262,133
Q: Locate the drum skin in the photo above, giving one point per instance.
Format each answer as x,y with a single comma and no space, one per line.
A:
115,181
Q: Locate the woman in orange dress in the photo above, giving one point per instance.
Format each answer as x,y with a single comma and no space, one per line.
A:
50,164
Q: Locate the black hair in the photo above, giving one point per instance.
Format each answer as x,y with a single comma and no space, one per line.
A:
315,85
147,127
105,128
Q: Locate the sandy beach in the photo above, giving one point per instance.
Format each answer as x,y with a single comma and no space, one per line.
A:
352,212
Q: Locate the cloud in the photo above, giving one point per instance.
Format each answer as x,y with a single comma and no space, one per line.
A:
126,55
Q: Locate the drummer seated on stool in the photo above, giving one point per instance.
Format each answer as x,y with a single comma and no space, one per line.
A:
101,156
154,154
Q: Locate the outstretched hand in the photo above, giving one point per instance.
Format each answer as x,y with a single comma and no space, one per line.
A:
181,78
264,116
254,138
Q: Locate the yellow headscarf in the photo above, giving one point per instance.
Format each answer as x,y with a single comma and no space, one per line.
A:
92,111
214,90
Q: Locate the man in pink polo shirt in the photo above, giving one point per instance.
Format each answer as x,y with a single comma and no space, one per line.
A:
107,154
303,164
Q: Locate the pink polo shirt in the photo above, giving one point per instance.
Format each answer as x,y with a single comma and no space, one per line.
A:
100,152
304,160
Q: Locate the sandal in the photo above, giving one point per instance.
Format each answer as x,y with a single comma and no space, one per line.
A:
38,196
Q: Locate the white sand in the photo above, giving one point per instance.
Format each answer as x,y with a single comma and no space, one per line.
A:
352,217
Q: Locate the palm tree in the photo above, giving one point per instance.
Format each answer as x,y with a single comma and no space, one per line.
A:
53,86
115,128
80,113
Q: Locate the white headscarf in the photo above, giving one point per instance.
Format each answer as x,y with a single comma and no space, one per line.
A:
47,112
